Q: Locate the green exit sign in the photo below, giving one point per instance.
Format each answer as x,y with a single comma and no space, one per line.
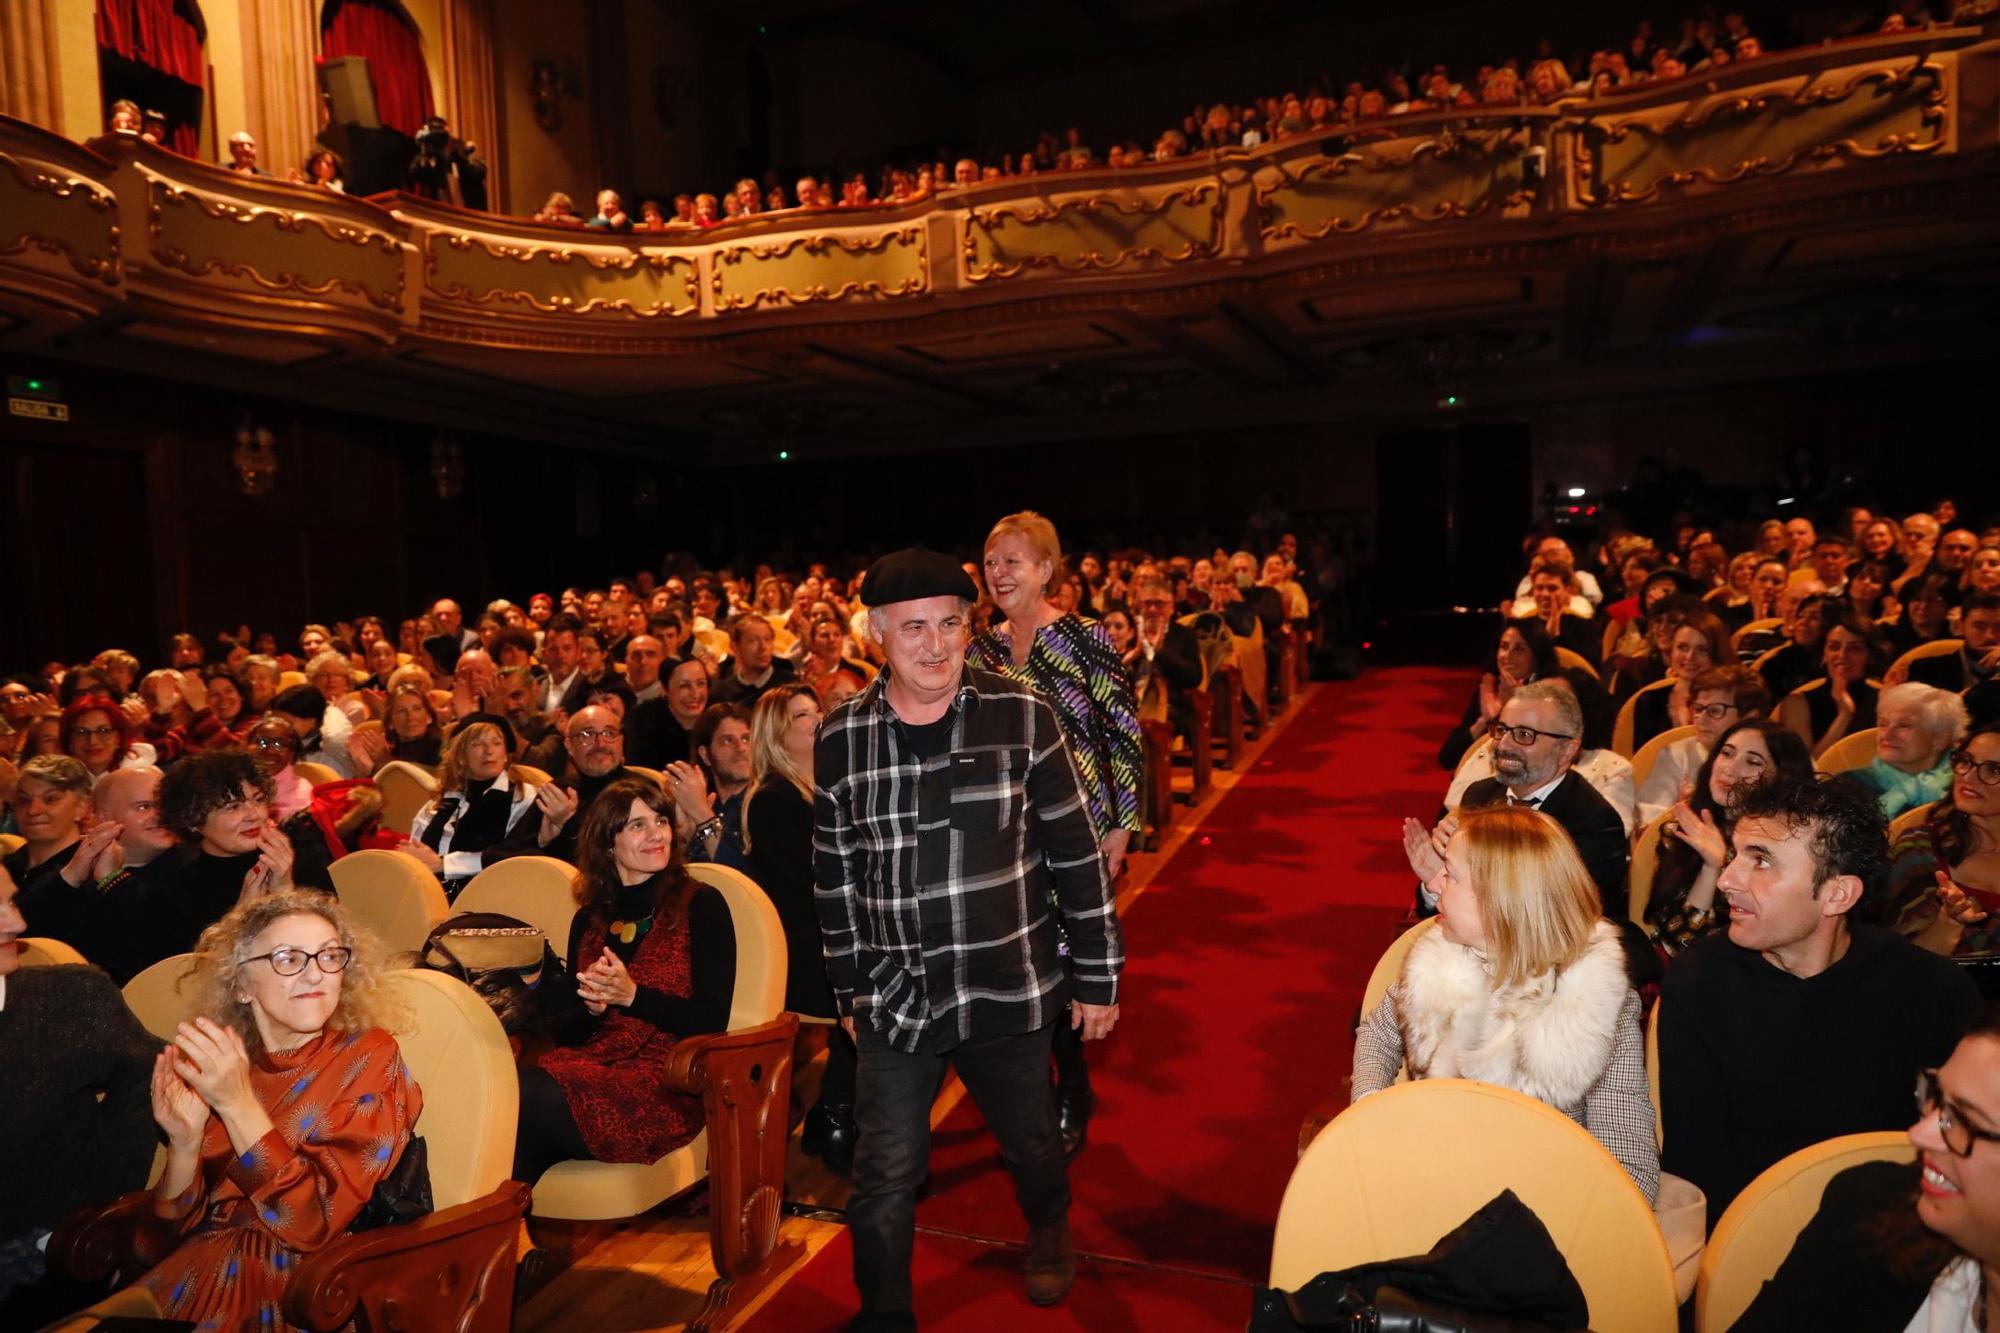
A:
33,386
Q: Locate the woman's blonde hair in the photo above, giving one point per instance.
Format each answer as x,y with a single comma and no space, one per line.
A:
1535,897
224,952
451,764
769,759
1040,535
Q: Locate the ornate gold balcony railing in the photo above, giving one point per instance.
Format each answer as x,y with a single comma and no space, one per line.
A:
181,243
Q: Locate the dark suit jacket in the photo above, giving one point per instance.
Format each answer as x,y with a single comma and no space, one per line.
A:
1949,672
1592,824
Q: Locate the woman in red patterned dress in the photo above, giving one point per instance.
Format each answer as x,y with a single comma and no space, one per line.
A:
283,1102
652,959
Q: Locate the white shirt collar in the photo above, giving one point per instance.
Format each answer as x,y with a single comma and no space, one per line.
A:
1541,793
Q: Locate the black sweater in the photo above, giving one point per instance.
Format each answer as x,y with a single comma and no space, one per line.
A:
712,957
65,1037
779,826
1756,1063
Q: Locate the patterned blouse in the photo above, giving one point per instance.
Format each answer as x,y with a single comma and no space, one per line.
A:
342,1109
1075,668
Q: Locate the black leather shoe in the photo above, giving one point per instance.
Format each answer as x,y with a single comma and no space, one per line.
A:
830,1135
1073,1120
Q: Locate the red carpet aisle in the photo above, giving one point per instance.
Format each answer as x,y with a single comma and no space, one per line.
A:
1248,956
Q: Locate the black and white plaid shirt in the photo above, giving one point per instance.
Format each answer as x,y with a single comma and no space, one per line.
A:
937,880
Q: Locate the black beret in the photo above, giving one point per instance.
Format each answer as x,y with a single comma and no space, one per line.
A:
491,720
301,701
914,574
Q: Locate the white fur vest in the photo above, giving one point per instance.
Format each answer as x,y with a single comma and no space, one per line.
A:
1550,1039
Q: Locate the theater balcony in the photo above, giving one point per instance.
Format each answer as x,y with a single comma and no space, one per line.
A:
1706,228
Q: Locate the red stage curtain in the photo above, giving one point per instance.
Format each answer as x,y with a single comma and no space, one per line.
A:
395,61
151,33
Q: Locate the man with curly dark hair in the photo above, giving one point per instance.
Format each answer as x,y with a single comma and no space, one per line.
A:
1801,1023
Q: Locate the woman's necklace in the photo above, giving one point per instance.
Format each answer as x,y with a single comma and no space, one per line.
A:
626,932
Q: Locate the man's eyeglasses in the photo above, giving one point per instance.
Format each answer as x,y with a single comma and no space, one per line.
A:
1988,771
1526,735
593,735
1957,1135
291,962
1713,712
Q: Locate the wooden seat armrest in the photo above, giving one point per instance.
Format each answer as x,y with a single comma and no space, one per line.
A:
693,1060
451,1270
120,1237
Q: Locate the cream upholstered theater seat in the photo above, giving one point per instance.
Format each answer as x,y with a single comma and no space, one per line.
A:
1390,965
406,788
41,951
1649,753
460,1057
1764,626
652,775
1850,752
391,894
1899,670
1910,819
317,775
290,680
1481,749
1393,1174
161,995
1760,1226
1250,661
1645,865
536,889
11,843
532,774
590,1191
1621,730
1653,1073
1571,660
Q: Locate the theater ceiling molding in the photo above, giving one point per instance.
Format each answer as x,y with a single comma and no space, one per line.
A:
1801,214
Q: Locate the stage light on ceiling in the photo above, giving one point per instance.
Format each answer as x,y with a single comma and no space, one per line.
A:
784,455
1576,492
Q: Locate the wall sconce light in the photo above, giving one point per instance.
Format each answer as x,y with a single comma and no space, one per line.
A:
255,458
447,467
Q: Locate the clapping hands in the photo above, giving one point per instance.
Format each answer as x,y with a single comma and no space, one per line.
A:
606,983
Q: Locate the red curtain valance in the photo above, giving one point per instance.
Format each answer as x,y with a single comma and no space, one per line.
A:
395,61
151,33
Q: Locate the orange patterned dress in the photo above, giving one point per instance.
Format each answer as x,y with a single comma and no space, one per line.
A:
341,1107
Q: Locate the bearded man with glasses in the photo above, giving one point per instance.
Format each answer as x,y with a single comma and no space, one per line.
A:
1535,746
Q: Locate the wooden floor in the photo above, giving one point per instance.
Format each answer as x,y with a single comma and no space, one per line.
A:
653,1271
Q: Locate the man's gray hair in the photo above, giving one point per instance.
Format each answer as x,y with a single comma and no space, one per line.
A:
1558,695
1939,712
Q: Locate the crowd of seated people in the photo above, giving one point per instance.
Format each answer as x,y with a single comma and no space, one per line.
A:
1775,710
1702,45
629,730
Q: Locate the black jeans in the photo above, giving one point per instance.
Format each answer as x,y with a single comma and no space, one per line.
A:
1072,1074
1008,1077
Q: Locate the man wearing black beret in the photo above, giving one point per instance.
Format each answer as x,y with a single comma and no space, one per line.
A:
950,831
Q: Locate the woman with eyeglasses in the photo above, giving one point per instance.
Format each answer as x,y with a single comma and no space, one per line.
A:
652,959
283,1102
1896,1247
1944,874
98,733
1694,843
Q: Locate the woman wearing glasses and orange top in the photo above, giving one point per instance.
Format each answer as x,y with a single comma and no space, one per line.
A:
1944,876
1898,1247
283,1103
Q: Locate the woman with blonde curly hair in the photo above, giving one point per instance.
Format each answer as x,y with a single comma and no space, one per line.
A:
482,797
284,1101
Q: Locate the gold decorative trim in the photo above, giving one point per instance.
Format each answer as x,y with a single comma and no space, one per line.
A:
162,193
1594,135
104,270
815,246
1446,146
1093,260
657,261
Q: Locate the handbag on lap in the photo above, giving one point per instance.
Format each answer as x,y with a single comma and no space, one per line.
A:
502,958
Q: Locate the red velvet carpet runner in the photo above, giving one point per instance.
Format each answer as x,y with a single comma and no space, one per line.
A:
1247,955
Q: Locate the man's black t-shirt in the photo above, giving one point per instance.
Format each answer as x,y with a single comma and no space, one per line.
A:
930,737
